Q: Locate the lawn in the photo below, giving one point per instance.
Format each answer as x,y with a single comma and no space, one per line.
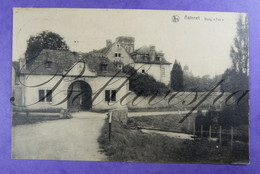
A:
132,145
169,122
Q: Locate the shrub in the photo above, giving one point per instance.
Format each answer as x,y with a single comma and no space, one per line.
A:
144,84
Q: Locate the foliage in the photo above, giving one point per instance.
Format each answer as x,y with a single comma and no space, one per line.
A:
129,145
237,78
198,84
177,77
144,84
234,81
234,116
43,40
239,52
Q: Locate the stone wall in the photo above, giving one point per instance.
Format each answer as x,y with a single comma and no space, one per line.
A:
178,101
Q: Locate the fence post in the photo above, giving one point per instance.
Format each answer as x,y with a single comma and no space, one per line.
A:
231,132
209,131
109,125
201,130
220,136
194,129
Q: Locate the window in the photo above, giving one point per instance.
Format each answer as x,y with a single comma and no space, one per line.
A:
103,67
113,95
110,95
107,95
117,54
49,95
143,70
43,98
145,57
118,45
48,64
157,58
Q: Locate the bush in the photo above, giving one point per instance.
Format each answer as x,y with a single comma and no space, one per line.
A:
144,84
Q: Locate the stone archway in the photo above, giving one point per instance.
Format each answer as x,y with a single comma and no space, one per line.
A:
79,96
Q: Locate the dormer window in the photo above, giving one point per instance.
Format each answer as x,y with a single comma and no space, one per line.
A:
48,64
103,67
145,57
117,54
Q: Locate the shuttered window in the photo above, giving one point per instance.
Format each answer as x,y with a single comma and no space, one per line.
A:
45,95
49,95
110,95
41,96
113,95
107,95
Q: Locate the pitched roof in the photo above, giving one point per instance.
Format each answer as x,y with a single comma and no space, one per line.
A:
144,51
103,51
93,61
62,61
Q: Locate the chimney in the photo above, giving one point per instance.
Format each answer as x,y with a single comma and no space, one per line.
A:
22,63
108,43
152,53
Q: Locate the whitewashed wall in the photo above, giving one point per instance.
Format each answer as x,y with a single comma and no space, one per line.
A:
155,70
34,84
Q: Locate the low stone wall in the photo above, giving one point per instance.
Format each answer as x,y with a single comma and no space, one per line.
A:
120,115
178,101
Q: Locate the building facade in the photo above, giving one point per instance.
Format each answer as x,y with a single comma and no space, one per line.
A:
145,59
84,81
61,79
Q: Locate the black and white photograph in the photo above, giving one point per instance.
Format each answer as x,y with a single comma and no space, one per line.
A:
122,85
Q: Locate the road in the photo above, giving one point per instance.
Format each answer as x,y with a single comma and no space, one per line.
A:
66,139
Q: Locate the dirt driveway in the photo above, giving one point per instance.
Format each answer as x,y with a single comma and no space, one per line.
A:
68,139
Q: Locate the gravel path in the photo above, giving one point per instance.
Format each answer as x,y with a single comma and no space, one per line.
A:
68,139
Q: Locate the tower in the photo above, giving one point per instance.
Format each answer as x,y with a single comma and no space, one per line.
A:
128,43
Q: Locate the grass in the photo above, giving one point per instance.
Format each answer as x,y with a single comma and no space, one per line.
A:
167,122
21,119
21,116
129,145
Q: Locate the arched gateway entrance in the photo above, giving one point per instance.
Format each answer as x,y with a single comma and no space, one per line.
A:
79,96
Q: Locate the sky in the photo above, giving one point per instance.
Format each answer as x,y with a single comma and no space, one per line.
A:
200,40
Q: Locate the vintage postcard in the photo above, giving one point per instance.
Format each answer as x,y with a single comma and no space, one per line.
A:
130,86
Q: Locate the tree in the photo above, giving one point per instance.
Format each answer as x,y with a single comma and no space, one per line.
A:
177,77
144,84
44,40
236,78
239,52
